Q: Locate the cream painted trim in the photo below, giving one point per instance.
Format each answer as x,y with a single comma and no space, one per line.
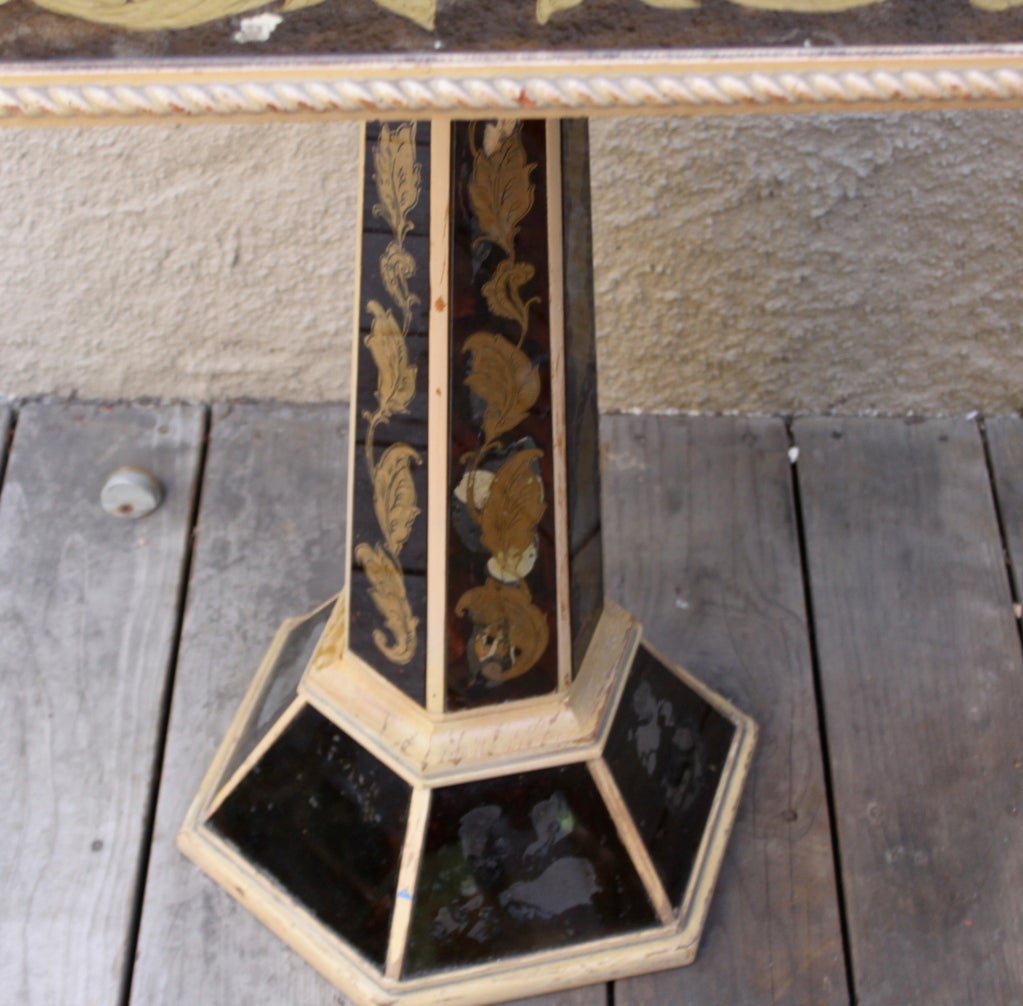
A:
408,876
697,82
479,743
632,840
439,436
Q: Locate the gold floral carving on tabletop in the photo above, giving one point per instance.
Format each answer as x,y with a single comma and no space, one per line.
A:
510,633
397,176
155,15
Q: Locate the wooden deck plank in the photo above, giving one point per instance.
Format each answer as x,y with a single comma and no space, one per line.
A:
1005,443
88,616
923,685
703,548
270,544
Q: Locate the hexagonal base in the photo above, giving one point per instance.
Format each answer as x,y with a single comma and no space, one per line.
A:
587,864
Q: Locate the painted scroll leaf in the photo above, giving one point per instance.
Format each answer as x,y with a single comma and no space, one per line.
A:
510,516
157,15
506,498
516,635
396,377
394,495
545,8
397,177
505,379
387,589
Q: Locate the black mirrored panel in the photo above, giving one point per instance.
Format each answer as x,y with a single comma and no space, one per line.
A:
281,684
582,435
502,627
520,864
387,578
326,820
667,751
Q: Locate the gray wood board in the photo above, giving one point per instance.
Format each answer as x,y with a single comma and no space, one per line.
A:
269,545
88,616
703,548
1005,443
922,683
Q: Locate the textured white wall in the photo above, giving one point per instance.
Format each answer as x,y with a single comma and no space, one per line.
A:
857,263
193,261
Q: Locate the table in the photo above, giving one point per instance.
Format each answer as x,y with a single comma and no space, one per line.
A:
468,778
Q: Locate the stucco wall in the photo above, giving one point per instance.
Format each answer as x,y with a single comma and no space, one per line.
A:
861,263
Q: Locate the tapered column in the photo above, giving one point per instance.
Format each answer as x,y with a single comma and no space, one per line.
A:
467,779
475,532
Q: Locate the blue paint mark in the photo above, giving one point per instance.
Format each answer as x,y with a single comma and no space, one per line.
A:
404,895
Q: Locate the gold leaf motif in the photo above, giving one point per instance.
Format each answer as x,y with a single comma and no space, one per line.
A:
511,632
423,12
396,377
503,376
150,15
513,509
394,495
387,591
397,177
397,267
545,8
331,646
500,191
502,292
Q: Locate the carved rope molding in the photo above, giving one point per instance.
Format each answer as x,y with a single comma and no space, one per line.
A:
681,92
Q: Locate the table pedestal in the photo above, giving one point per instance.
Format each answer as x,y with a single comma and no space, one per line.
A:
467,779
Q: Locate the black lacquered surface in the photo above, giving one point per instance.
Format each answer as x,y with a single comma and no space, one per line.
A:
501,569
94,29
582,434
667,749
327,822
387,595
520,864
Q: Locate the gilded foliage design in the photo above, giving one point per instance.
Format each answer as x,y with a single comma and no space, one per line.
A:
502,487
152,15
396,174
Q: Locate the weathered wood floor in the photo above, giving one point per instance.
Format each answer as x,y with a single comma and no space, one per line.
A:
859,604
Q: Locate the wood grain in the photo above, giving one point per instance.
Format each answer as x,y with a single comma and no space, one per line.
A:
923,686
88,608
702,547
1005,444
270,544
